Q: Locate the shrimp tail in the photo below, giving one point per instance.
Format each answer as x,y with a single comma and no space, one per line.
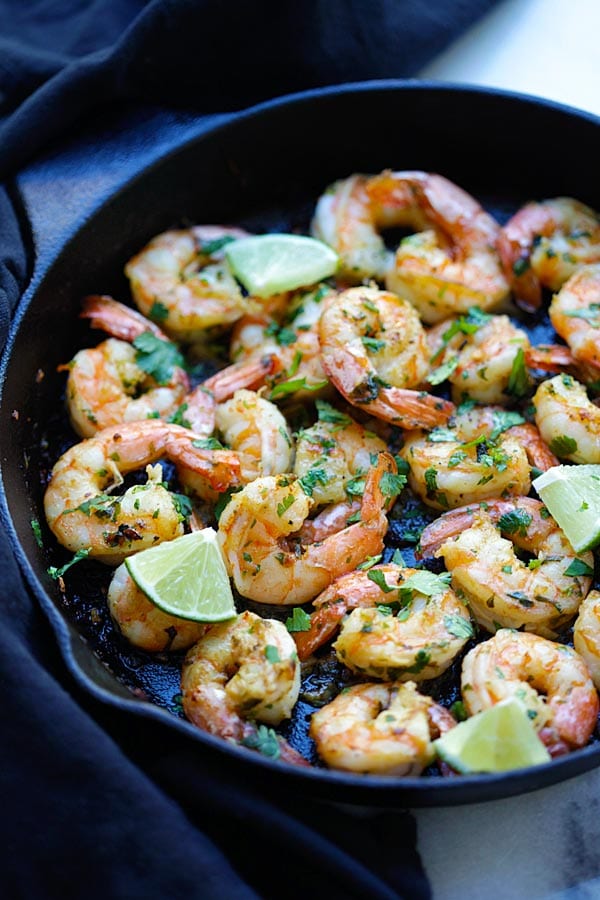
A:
117,319
220,468
549,357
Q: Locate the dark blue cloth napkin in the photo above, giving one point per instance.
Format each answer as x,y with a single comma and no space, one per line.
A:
94,803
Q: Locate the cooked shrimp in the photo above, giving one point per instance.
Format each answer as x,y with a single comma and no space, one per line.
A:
373,348
567,419
142,623
545,243
385,729
332,453
106,387
182,277
586,634
246,668
346,219
257,432
84,515
493,421
575,313
503,592
264,556
451,264
420,642
449,473
550,680
110,384
294,344
480,362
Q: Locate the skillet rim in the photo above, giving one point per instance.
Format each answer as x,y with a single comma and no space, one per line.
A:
374,790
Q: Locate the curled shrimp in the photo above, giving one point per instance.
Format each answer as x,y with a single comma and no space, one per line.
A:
240,670
142,623
586,634
384,729
567,419
333,453
257,432
544,243
83,515
451,263
373,348
182,278
417,643
575,314
503,592
550,680
258,534
109,384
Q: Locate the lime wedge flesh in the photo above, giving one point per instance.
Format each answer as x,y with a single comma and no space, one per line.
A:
186,577
271,263
496,740
572,496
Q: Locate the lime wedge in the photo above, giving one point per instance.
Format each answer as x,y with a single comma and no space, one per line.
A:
271,263
496,740
572,496
186,577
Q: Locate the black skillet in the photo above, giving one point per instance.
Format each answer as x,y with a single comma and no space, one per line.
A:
265,169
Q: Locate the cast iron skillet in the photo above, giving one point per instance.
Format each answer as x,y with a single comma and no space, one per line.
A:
265,169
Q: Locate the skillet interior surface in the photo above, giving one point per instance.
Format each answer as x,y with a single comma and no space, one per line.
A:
264,171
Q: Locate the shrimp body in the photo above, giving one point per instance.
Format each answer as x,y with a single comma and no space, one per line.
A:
142,623
545,243
502,591
374,349
83,515
417,644
184,276
346,219
451,264
481,361
384,729
264,554
550,680
567,419
257,432
106,386
245,668
574,313
586,634
448,474
332,454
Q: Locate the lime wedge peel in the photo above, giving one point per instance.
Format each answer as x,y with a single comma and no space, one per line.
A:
272,263
499,739
572,497
186,577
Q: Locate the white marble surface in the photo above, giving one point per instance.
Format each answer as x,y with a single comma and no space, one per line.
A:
545,845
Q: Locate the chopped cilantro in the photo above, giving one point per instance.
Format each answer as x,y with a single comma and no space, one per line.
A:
459,626
378,578
515,522
211,246
264,740
298,621
37,532
55,573
563,445
285,504
272,653
443,372
328,413
518,380
391,485
158,312
157,357
313,477
578,567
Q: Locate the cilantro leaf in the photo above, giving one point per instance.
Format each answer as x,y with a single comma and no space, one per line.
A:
518,380
378,578
579,567
55,573
298,621
264,740
515,522
459,626
157,357
427,583
563,445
